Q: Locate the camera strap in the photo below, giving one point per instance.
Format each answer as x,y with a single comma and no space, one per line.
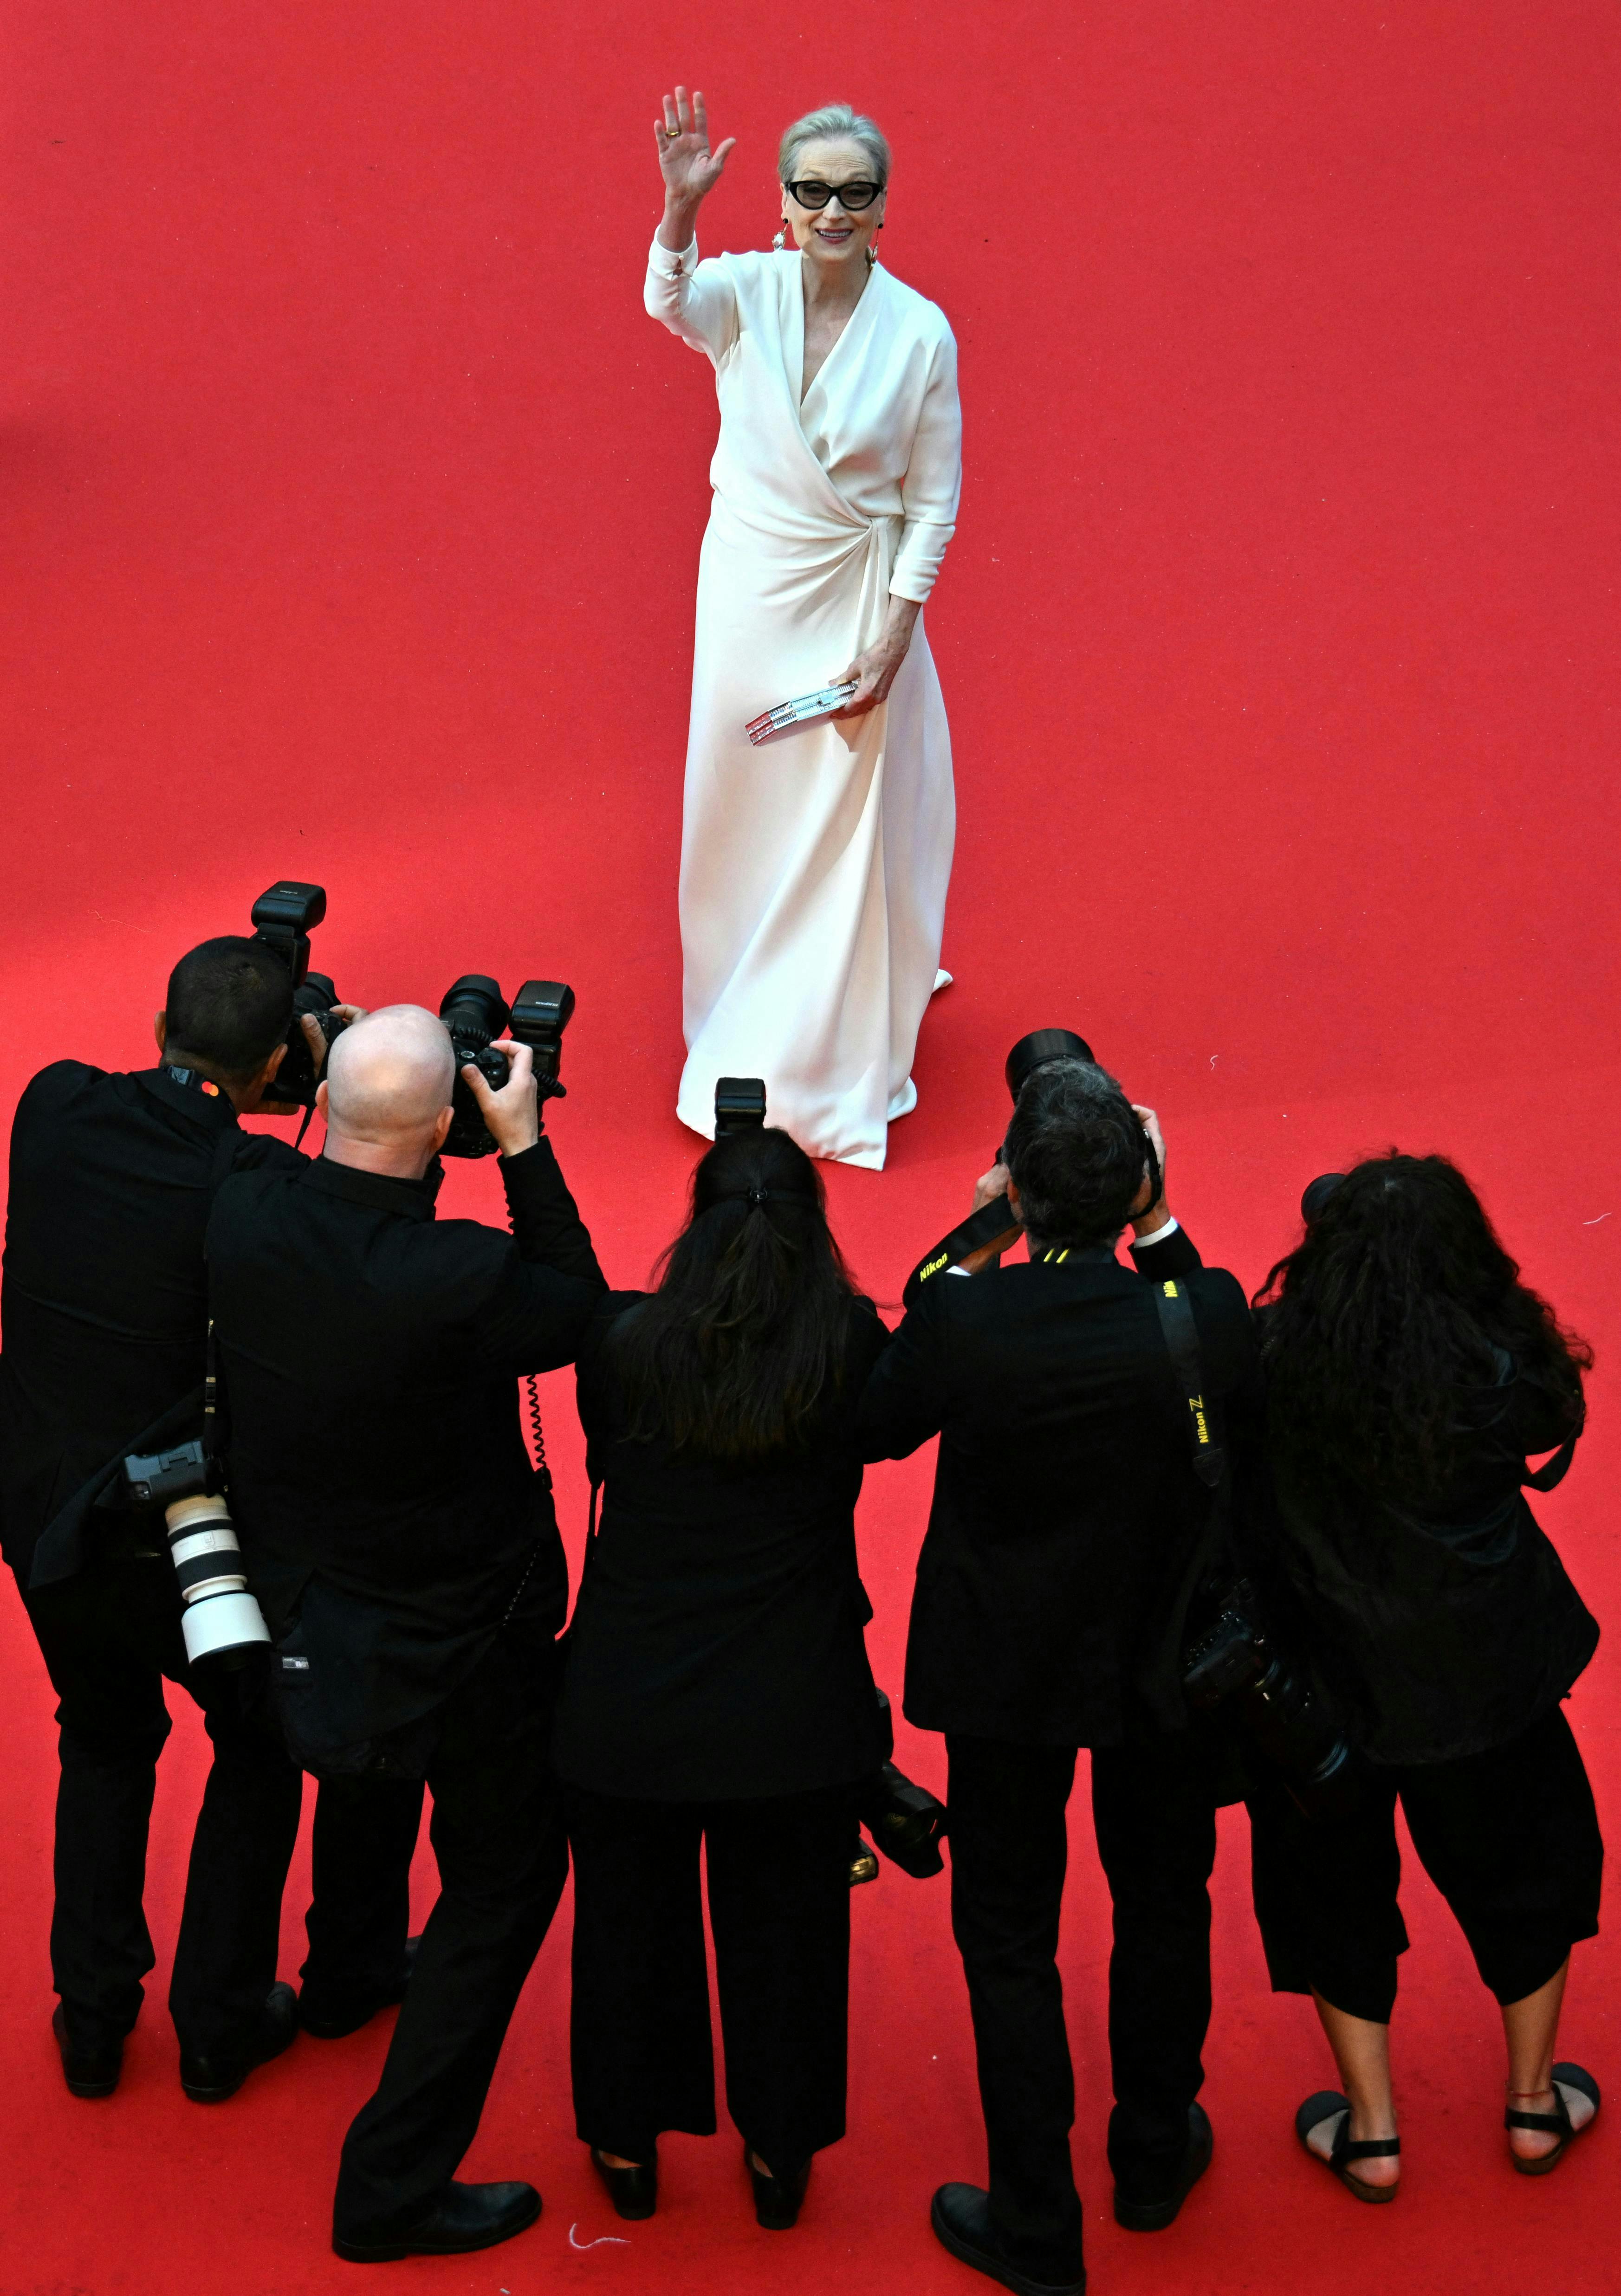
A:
1182,1338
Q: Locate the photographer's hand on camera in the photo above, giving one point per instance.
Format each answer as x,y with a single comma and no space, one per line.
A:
1147,1219
511,1112
314,1037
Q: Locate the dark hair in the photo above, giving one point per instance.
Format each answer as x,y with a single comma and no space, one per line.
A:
229,1005
1393,1304
749,1325
1076,1149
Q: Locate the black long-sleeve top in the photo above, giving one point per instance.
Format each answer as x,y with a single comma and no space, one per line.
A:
1445,1632
105,1300
378,1474
717,1649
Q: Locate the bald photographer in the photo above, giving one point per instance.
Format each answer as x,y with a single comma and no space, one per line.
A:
406,1552
1067,1529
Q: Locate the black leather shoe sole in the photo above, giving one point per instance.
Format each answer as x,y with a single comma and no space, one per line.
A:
1155,2215
211,2080
994,2267
426,2241
88,2072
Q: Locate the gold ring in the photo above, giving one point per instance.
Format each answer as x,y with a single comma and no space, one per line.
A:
673,131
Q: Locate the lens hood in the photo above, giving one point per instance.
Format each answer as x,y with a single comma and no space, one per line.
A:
1034,1051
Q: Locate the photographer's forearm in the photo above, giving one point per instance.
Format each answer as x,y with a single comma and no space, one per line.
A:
544,1218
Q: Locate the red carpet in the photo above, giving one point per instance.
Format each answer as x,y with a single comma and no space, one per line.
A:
353,510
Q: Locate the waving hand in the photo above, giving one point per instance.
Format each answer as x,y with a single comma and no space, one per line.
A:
691,170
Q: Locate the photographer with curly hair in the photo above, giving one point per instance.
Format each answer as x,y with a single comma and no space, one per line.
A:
1411,1376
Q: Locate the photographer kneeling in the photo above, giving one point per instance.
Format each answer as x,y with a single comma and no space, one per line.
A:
717,1689
1067,1528
1409,1373
406,1554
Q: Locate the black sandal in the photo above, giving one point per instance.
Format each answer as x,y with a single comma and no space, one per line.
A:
1326,2105
1557,2122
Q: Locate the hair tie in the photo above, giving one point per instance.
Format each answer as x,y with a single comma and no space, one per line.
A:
758,1196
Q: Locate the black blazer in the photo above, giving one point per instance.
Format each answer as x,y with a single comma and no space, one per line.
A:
379,1478
105,1299
718,1648
1066,1514
1446,1632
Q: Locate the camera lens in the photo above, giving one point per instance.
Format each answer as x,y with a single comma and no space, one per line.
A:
475,1010
1034,1051
1317,1195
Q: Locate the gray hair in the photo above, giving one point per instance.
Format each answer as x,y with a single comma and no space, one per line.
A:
1077,1152
830,119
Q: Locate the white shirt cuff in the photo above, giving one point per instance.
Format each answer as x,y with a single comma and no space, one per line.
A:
670,265
1141,1242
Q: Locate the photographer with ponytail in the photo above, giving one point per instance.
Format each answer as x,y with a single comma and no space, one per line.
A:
717,1688
1411,1377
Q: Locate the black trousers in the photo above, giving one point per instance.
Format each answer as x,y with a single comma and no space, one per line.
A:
109,1638
498,1838
780,1906
1509,1837
1154,1812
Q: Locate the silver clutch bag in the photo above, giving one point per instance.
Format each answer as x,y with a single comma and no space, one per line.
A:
820,704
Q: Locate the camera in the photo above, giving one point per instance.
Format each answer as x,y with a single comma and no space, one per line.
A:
1317,1194
1034,1051
992,1223
475,1013
219,1618
740,1105
1237,1658
284,918
905,1820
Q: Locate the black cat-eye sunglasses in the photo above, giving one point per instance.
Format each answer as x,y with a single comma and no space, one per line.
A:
853,196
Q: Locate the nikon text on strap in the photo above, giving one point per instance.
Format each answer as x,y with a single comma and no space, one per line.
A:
1209,1453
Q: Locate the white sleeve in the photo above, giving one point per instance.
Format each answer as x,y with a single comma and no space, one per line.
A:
933,482
694,299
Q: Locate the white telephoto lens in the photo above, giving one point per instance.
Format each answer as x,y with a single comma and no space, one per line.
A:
223,1622
219,1614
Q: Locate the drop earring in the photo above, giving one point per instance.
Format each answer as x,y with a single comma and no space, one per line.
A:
781,239
872,252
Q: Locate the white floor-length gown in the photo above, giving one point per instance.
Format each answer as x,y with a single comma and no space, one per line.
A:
814,870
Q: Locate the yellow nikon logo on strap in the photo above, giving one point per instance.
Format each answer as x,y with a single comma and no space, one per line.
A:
1170,1291
1196,1404
934,1266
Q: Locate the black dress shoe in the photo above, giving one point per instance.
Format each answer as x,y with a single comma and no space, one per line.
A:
960,2217
210,2079
778,2200
1140,2210
464,2217
327,2018
88,2072
634,2192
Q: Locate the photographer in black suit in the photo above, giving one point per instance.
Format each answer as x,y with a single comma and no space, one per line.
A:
1067,1525
106,1320
407,1556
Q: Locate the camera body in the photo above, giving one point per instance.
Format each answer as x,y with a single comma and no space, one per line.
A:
1236,1658
284,918
219,1617
475,1013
